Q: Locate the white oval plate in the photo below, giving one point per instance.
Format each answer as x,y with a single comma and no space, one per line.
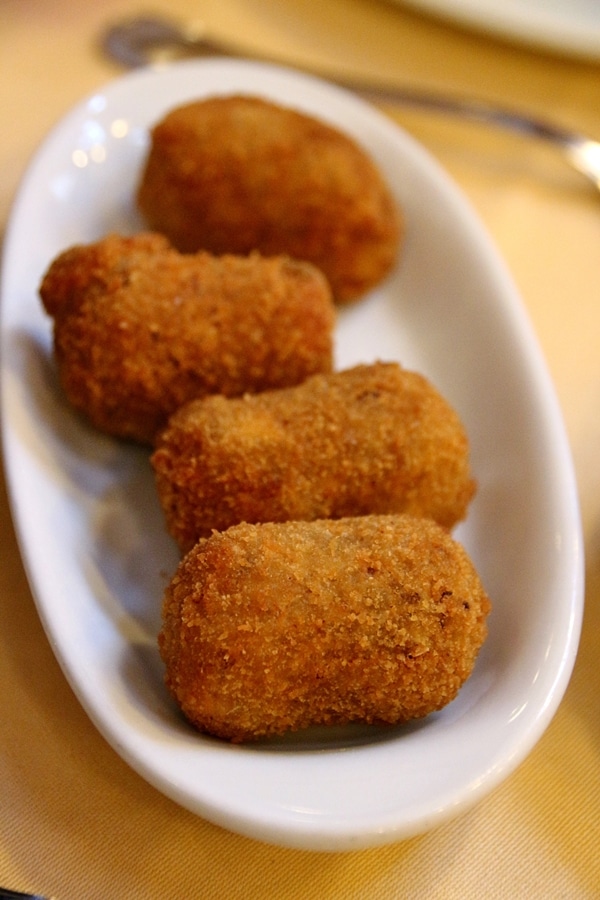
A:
566,27
92,533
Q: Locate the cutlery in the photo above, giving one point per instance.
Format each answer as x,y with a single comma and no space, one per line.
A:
149,40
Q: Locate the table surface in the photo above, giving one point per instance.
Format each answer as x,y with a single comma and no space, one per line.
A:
76,822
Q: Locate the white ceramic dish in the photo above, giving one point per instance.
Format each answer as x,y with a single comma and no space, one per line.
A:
567,27
92,534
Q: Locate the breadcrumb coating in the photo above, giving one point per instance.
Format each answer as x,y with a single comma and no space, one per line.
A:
238,173
276,627
140,328
371,439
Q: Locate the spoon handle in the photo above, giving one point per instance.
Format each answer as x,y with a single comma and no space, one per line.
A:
143,41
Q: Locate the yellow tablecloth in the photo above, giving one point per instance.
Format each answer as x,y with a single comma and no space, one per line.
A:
75,822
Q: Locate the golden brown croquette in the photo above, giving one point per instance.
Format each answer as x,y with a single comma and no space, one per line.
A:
238,173
371,439
276,627
140,328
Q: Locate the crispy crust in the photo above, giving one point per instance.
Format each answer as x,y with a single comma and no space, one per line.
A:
140,328
371,439
276,627
234,174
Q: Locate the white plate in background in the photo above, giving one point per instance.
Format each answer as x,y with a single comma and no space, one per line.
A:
567,27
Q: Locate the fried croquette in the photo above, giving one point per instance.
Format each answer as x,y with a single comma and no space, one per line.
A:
276,627
371,439
237,173
140,328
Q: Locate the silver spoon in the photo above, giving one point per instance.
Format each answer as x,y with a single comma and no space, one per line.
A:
144,41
